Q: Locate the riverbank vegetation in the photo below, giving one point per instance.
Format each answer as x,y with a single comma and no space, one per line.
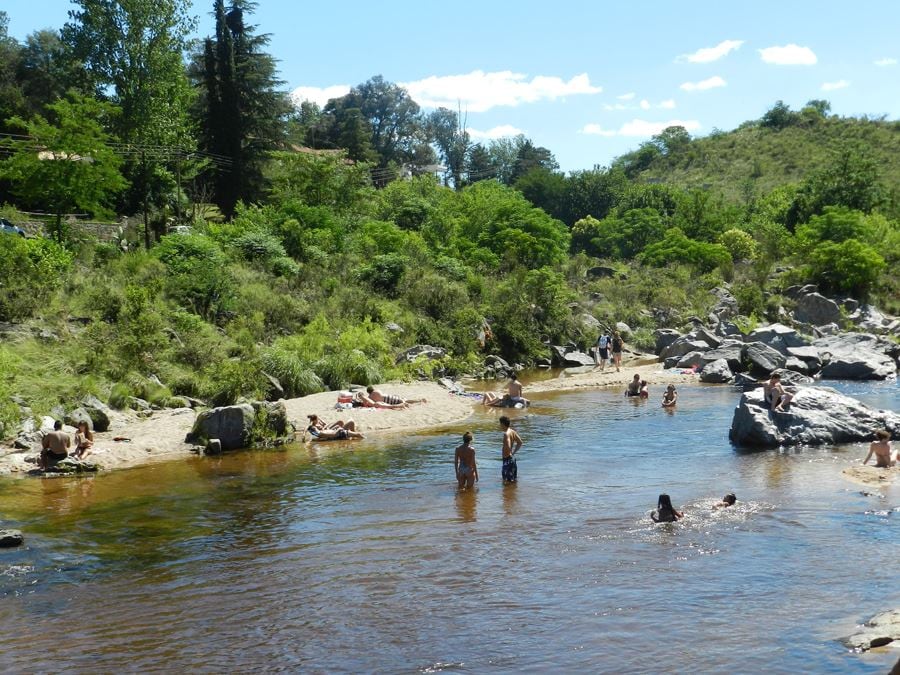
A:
294,250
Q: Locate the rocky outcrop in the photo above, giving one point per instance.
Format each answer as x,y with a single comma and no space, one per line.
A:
857,356
569,357
817,415
816,309
664,338
762,359
690,360
98,412
726,304
11,538
778,337
684,345
880,630
716,372
421,351
240,426
732,351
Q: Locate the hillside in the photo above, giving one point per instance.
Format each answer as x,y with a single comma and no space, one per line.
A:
771,156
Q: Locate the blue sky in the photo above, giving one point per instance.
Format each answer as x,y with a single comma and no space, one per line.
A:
589,80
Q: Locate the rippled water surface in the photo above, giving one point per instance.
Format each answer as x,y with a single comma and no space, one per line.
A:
365,557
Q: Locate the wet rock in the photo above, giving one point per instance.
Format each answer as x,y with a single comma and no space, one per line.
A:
664,338
762,359
817,415
213,447
98,411
817,310
11,538
880,630
778,336
716,372
71,466
690,360
421,351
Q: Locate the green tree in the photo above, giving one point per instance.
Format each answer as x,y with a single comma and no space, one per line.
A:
243,115
545,189
676,247
618,237
135,47
739,244
12,98
319,178
779,116
849,265
47,69
452,140
67,164
531,156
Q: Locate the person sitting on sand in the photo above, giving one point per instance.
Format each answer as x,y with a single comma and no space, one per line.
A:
84,441
775,394
881,448
665,512
634,387
54,446
464,463
728,500
511,399
320,432
670,398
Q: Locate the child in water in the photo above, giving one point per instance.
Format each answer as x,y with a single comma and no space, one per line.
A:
670,398
464,462
728,500
665,512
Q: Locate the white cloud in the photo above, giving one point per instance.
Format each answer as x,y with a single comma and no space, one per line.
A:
887,61
703,85
834,86
479,91
640,128
320,95
501,131
668,104
789,55
626,97
645,104
710,54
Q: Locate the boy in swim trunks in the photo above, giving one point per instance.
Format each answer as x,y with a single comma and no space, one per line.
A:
464,463
511,444
881,448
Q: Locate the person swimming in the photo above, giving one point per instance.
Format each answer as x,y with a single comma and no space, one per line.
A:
464,463
728,500
665,512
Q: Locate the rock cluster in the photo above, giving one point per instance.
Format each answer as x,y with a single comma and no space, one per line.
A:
880,630
239,426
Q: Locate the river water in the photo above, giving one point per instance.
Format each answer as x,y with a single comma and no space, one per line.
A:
365,558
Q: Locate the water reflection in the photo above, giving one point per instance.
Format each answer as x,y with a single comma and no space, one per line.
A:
466,505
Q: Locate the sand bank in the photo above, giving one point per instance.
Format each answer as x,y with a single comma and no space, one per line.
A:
871,476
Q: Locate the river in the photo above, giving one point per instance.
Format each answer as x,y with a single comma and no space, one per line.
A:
365,557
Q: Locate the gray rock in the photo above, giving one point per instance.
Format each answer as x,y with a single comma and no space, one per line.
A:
138,404
849,304
817,415
98,411
178,402
274,390
665,337
392,327
213,447
71,466
568,357
868,318
671,362
77,416
684,345
589,322
817,310
623,328
745,382
857,356
732,352
495,361
762,359
710,339
880,630
232,425
728,329
794,378
796,365
717,372
778,336
690,360
11,538
726,305
421,351
809,354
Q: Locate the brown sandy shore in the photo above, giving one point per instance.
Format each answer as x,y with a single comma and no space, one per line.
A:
871,476
161,436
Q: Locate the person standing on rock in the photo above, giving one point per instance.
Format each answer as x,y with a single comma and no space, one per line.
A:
881,448
54,446
618,344
512,442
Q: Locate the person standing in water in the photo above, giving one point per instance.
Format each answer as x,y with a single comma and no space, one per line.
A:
881,448
511,444
464,463
670,398
665,512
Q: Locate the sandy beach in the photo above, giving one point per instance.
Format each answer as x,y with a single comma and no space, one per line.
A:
871,476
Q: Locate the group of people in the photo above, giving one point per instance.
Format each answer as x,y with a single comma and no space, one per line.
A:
666,513
56,444
609,345
464,459
511,399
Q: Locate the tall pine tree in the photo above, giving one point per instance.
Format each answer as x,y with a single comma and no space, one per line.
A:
243,113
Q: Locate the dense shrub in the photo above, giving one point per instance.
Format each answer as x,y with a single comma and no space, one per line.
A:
30,270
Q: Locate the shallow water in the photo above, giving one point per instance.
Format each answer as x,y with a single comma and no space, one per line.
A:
364,557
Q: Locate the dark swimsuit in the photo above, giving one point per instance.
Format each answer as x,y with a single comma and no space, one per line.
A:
509,470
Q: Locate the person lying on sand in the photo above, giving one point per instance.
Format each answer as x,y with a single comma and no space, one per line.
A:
373,398
670,398
511,399
728,500
464,463
320,432
881,448
665,512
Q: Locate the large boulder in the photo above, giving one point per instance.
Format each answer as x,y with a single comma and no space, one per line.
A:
690,360
857,356
778,336
589,322
709,338
815,416
684,345
567,357
98,411
809,355
665,337
762,359
421,351
817,310
880,630
233,425
716,372
77,416
11,538
732,352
